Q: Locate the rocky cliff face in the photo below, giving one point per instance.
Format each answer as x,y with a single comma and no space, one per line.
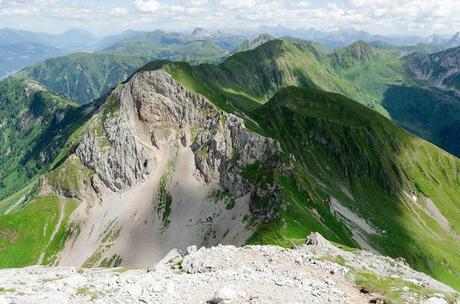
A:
441,69
169,170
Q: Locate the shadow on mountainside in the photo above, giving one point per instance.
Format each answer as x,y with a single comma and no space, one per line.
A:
432,114
343,153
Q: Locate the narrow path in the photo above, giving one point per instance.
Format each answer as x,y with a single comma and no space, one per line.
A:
53,234
12,207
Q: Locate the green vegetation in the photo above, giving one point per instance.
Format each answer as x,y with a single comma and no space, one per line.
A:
113,261
340,149
18,199
226,197
163,199
339,144
84,77
394,290
35,124
418,48
70,178
26,233
172,46
376,77
333,150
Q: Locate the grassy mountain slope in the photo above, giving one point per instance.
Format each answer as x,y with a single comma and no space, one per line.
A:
35,233
173,46
14,57
379,79
35,123
418,104
380,172
348,172
83,77
246,79
343,152
370,69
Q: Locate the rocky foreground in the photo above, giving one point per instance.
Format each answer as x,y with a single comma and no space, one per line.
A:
317,272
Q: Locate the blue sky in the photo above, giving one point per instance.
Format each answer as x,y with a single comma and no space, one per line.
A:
422,17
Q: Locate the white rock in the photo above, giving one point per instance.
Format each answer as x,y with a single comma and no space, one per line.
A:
135,291
191,249
435,300
172,255
224,294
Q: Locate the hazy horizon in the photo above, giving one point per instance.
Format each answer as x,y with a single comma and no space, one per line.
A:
243,30
105,17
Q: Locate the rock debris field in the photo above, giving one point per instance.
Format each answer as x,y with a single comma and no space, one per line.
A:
315,273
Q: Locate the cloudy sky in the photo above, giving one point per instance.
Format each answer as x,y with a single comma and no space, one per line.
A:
421,17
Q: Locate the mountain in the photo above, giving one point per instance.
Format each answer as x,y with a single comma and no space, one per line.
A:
377,78
333,38
358,53
373,76
252,44
201,46
14,57
34,123
201,33
252,77
454,41
398,85
234,154
440,69
426,48
83,77
19,49
110,40
448,42
70,41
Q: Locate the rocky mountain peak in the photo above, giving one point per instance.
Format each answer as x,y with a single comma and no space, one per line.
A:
200,32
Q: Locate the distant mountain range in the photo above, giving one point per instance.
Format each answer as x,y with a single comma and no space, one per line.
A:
19,48
335,38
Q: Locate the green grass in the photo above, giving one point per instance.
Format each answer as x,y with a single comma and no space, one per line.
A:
378,78
394,290
18,197
226,197
36,124
163,198
70,178
97,74
162,45
337,142
24,235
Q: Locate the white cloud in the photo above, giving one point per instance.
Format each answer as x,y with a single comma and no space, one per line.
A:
196,3
147,6
119,11
377,16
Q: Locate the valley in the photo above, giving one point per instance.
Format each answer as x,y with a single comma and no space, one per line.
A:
108,152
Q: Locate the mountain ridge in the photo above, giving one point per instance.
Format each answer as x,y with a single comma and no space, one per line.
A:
321,171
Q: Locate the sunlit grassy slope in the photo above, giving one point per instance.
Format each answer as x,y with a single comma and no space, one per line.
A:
379,79
27,232
340,149
35,123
